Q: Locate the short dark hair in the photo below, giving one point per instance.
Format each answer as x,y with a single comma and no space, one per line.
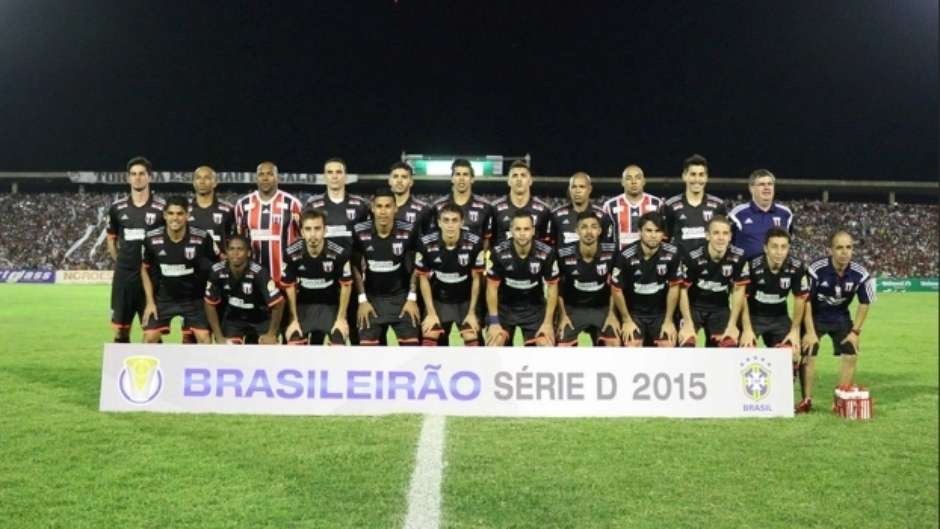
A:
335,160
383,192
177,200
695,159
401,165
587,214
450,207
654,217
840,231
717,218
313,213
776,232
238,237
140,160
521,213
520,163
461,162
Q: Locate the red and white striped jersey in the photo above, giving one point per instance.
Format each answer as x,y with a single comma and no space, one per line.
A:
624,216
271,226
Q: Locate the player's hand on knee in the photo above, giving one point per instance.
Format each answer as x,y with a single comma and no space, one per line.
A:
852,339
342,326
363,314
612,324
810,340
267,339
496,336
563,322
547,333
293,328
411,309
668,330
429,322
472,321
748,339
150,312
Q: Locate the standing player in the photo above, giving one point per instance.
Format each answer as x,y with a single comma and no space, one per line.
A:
253,303
514,294
708,278
687,214
520,197
410,209
318,282
207,211
834,282
383,256
625,210
753,219
268,217
129,219
450,267
646,280
563,225
477,212
177,260
584,301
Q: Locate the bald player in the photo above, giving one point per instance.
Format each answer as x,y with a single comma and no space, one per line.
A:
625,210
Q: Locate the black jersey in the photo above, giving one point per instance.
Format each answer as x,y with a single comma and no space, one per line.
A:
341,217
586,283
388,260
520,279
645,281
767,291
218,220
686,224
709,282
418,213
129,224
450,269
248,297
563,225
477,214
504,210
178,269
318,279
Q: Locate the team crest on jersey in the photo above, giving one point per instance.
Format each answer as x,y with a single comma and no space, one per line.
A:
410,216
707,215
190,252
534,267
661,269
726,270
150,218
535,220
848,286
784,283
351,214
217,218
398,248
463,259
246,288
602,269
777,222
327,266
474,215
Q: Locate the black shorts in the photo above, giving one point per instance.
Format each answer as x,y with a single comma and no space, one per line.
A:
315,317
449,313
771,329
246,330
713,319
584,319
650,328
192,311
388,308
838,332
127,298
529,319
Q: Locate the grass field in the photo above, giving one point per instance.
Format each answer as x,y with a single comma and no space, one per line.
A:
64,464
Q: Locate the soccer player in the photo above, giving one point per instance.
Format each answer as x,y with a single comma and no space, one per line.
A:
269,218
753,219
584,301
177,260
834,282
686,214
129,219
450,265
514,294
478,213
318,282
646,286
383,254
563,223
253,303
708,276
409,209
520,197
625,210
207,211
770,277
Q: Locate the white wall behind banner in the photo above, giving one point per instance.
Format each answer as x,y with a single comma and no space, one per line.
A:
464,381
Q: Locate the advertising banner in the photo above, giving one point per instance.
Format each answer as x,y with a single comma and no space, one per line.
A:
84,277
462,381
186,177
907,284
26,275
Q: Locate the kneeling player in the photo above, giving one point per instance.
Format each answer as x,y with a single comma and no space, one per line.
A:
646,285
449,264
176,263
834,282
253,303
514,295
318,282
584,302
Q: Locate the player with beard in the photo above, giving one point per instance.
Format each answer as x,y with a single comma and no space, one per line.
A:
409,209
584,301
129,219
514,293
687,214
563,224
519,198
647,283
626,209
253,303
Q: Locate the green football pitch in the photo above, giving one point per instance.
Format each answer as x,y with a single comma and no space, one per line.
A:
65,464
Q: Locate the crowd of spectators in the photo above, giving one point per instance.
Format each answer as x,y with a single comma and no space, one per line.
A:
892,240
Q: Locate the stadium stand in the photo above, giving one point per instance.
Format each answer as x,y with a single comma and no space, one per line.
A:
65,231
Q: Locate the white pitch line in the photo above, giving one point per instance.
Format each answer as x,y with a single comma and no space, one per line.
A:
424,495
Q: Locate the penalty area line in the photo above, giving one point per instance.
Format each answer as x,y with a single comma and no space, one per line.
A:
424,494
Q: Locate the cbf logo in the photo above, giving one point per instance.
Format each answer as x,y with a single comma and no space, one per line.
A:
141,380
755,378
